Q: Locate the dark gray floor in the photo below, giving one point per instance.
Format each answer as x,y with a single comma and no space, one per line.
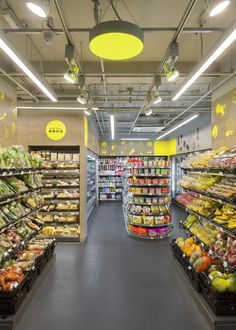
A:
113,282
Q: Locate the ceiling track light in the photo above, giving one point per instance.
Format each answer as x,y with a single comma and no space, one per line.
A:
222,44
88,112
71,74
178,126
83,98
112,121
217,7
171,72
18,59
148,111
39,7
116,40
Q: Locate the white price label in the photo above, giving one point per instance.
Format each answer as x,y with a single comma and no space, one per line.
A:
183,255
4,173
202,244
210,252
189,267
225,264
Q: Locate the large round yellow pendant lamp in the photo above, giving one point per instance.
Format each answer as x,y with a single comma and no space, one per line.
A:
116,40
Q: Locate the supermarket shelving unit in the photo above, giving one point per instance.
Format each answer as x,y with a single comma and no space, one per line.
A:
111,170
147,197
61,190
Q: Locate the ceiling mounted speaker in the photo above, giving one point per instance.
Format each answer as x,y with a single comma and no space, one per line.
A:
116,40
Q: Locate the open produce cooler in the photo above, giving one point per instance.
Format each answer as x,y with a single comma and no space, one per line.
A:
91,183
208,256
22,255
61,191
147,197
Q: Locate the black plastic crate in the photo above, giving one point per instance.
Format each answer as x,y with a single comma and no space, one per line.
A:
32,276
219,307
10,306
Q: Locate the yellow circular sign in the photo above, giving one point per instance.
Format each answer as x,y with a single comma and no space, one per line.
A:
56,130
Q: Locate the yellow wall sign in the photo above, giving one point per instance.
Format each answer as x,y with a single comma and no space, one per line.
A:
56,130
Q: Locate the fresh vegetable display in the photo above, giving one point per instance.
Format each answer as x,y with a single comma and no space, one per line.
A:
14,157
17,184
5,190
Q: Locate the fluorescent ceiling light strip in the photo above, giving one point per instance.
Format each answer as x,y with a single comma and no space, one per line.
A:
90,157
178,126
112,119
50,108
218,8
134,139
223,46
9,52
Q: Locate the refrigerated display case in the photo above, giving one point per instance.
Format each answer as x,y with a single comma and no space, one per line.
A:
91,183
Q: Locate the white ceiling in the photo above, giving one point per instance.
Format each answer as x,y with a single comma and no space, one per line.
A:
135,75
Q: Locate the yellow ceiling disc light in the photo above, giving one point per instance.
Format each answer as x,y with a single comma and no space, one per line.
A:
116,40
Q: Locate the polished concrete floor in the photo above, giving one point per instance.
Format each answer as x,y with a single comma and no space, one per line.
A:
113,282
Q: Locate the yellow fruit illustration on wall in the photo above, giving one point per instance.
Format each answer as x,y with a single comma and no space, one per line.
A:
234,96
214,131
113,147
13,101
3,116
104,144
13,128
132,151
229,132
149,152
2,96
6,132
122,143
122,152
149,144
104,152
112,154
14,111
220,109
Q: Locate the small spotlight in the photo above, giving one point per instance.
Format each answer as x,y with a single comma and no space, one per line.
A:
82,98
157,99
70,76
171,72
148,112
88,112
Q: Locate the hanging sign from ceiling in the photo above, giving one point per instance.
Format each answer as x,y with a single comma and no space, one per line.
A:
56,130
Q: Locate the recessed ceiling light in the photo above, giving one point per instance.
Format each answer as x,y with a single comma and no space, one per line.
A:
217,7
39,8
116,40
146,129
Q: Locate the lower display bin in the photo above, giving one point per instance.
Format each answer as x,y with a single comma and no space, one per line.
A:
32,276
219,307
10,306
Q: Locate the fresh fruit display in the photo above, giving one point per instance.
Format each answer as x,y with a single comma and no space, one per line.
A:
5,190
61,231
14,210
35,160
61,218
199,182
10,278
14,157
203,205
226,216
4,220
17,184
34,200
57,156
202,160
187,198
33,180
224,161
222,282
225,188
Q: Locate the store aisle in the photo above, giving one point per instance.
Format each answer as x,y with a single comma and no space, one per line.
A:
112,282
